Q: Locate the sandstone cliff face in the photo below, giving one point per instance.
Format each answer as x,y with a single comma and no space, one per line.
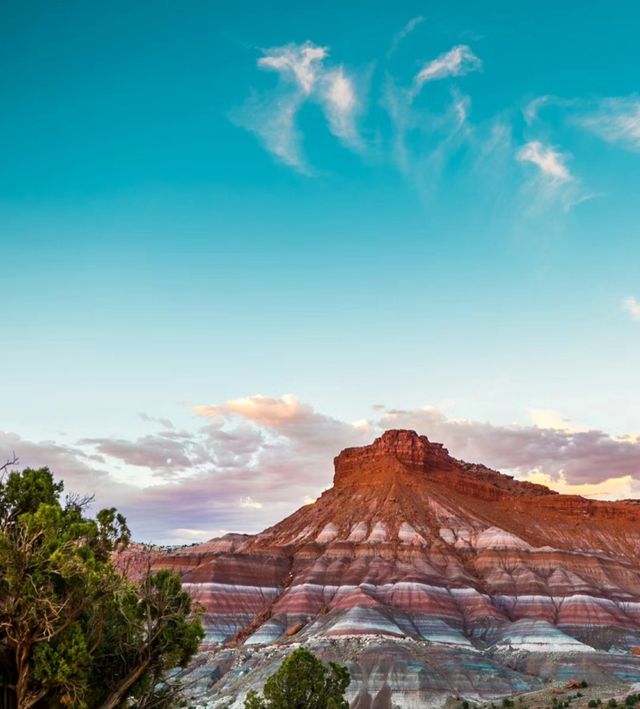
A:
429,577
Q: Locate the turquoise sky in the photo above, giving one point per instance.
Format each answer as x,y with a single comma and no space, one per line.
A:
408,204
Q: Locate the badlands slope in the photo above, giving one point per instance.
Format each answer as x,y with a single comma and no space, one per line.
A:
429,577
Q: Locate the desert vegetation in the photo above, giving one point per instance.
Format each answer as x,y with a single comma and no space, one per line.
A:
560,698
74,630
303,682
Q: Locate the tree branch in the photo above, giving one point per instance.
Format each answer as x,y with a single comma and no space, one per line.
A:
9,462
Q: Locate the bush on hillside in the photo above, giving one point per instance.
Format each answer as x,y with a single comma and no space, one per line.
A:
303,682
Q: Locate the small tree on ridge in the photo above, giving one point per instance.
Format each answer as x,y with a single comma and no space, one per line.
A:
303,682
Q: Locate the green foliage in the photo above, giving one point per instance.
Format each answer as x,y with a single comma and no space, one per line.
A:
303,682
592,703
73,631
612,703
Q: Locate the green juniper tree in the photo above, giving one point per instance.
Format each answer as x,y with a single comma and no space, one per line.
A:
74,632
303,682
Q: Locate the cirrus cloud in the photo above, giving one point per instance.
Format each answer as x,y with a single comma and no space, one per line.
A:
632,306
553,183
304,76
550,162
458,61
404,33
302,63
616,120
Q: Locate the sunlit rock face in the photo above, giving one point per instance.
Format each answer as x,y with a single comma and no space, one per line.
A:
427,576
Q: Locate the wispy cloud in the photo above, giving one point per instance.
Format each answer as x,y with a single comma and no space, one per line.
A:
632,306
424,140
404,32
273,120
307,75
616,120
457,61
304,77
532,109
426,137
340,103
165,423
427,133
299,62
493,157
549,161
552,183
455,133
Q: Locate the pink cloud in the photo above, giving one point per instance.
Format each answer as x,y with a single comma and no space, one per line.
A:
265,410
580,456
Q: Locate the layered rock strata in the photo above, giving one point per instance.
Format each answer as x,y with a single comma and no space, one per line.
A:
429,577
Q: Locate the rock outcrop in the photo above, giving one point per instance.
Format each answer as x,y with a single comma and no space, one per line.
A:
427,576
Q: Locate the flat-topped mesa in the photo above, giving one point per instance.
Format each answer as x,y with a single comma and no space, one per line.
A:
415,560
394,452
404,456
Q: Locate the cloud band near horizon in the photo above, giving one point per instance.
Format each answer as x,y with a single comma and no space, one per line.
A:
249,462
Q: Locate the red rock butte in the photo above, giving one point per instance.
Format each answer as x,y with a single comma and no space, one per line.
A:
407,448
430,577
